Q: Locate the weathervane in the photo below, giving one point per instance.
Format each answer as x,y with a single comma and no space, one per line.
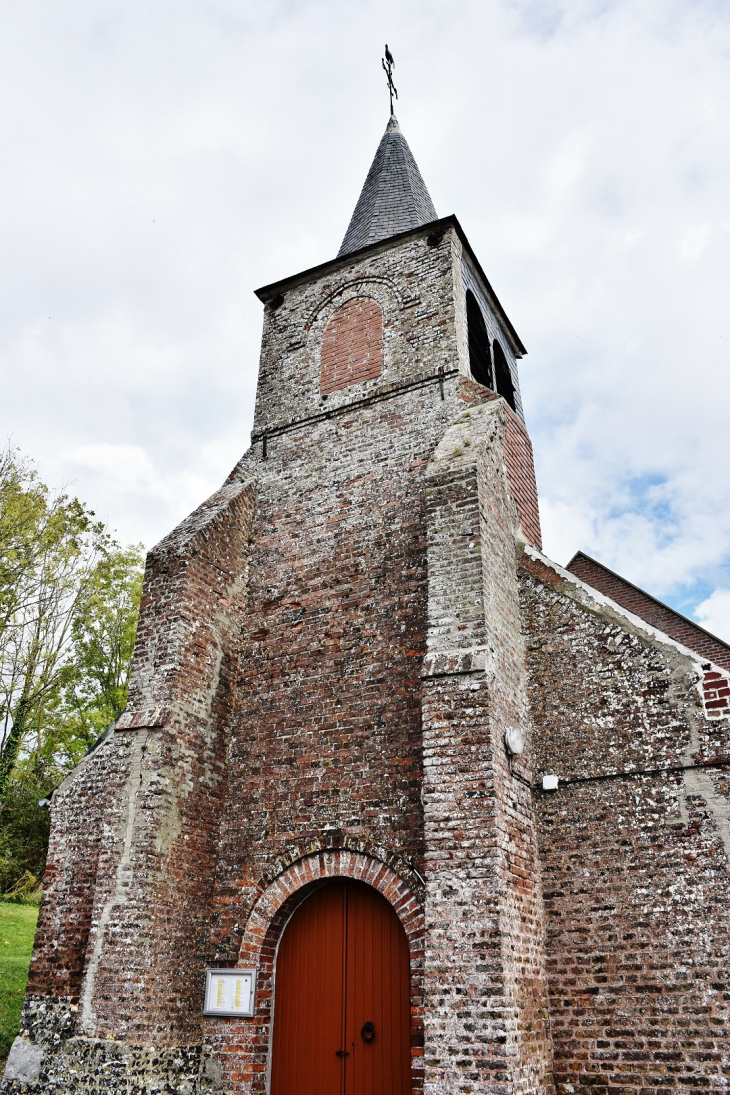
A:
388,65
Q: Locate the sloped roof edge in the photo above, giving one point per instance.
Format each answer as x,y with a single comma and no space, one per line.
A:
655,600
584,593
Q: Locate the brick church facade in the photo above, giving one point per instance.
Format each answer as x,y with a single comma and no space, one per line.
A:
355,675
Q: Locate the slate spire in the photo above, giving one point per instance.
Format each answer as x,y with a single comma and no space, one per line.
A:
394,197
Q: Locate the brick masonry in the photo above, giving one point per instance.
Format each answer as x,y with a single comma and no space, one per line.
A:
329,654
486,996
519,463
634,860
352,345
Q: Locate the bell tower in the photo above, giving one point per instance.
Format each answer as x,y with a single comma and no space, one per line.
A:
310,781
371,328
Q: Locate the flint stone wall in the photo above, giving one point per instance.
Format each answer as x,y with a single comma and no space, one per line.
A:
634,867
124,921
65,1062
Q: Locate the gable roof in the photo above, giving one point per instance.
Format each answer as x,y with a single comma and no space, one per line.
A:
648,608
394,197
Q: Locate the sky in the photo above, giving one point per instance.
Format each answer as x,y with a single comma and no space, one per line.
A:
163,159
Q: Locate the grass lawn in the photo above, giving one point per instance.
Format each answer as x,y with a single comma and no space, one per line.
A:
17,928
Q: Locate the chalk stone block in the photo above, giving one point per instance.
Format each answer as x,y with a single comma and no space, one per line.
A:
24,1061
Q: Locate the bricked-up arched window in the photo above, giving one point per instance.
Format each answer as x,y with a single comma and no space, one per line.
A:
352,346
480,361
505,386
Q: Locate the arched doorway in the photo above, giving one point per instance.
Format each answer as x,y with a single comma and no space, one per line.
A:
341,997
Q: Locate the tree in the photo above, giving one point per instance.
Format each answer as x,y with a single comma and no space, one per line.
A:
102,644
69,602
49,546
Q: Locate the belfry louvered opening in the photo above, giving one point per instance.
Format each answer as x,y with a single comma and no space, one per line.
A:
503,376
480,360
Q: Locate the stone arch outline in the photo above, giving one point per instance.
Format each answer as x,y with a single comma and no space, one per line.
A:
382,290
270,915
399,864
391,301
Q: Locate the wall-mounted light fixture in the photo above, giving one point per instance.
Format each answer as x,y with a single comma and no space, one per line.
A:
514,741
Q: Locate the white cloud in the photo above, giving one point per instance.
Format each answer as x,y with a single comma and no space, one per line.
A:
714,613
133,489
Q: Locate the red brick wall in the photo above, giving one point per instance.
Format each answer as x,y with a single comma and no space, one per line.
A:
325,749
519,461
352,347
134,834
521,476
716,694
185,661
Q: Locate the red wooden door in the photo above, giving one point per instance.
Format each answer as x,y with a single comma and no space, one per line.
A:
342,964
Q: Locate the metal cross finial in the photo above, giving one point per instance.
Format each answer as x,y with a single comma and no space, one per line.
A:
388,65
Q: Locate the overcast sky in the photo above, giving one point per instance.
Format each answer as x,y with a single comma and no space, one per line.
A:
163,158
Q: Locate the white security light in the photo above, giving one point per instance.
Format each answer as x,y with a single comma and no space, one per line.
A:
514,741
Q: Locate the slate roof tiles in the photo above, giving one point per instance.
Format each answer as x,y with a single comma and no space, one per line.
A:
394,198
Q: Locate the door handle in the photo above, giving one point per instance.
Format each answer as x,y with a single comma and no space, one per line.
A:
341,1053
368,1032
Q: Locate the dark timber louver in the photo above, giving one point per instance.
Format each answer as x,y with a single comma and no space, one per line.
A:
394,197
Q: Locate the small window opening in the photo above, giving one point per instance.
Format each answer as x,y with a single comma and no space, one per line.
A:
480,360
505,387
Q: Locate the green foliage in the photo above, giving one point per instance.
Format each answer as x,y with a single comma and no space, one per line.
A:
26,891
69,603
24,829
17,929
103,634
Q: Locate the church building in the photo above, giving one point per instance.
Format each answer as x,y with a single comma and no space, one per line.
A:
398,804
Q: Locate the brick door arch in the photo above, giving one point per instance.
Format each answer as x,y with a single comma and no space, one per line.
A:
242,1046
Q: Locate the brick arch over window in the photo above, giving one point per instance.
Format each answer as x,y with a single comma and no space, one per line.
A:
242,1045
352,345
